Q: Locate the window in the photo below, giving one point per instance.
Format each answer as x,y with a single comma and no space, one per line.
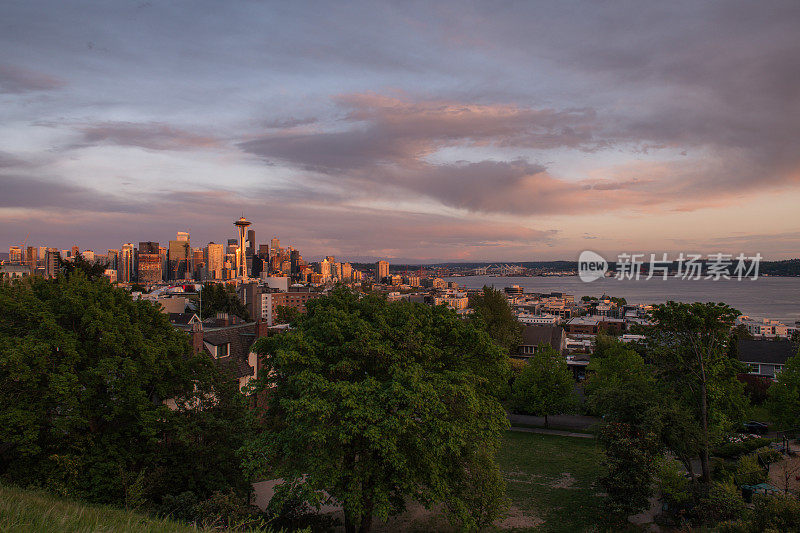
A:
753,368
222,350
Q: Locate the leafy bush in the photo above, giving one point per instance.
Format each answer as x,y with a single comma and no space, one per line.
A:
749,471
776,513
738,445
672,482
722,502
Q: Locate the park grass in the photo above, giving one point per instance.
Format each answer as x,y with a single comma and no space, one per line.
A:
553,478
26,511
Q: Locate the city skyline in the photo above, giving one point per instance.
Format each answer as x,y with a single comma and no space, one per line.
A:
407,132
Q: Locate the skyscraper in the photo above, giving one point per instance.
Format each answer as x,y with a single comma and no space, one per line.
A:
125,272
32,257
15,254
251,241
215,259
180,253
149,270
113,259
381,270
51,262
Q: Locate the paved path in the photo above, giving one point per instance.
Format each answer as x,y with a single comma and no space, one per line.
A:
558,432
561,421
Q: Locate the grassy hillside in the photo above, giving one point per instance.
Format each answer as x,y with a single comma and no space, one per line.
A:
23,511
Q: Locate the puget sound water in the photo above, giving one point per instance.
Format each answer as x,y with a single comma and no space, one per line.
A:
766,297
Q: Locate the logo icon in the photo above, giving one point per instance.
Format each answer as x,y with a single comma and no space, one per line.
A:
591,266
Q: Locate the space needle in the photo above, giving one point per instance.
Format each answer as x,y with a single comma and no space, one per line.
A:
241,264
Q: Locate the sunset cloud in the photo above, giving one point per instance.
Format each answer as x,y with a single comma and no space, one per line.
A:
405,130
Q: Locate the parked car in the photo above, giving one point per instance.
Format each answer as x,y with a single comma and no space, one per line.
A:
759,428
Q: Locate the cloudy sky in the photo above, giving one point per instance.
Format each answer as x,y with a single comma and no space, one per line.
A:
412,131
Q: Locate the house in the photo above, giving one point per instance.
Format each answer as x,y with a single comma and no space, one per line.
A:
534,337
590,325
229,346
765,358
183,321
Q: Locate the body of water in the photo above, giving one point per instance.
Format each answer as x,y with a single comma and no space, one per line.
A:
771,297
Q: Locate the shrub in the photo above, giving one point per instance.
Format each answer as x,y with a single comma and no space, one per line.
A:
776,513
672,482
723,502
749,471
738,445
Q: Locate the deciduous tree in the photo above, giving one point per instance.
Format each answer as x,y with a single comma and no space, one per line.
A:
493,314
546,386
380,403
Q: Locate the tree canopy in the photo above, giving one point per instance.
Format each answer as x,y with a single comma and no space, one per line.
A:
85,372
784,395
219,298
379,403
545,386
688,347
492,313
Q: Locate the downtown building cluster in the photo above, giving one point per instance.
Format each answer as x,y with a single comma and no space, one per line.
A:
151,263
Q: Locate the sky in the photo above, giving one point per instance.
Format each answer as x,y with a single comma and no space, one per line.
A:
408,131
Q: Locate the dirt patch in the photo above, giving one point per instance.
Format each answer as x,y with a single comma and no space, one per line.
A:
564,482
518,519
785,474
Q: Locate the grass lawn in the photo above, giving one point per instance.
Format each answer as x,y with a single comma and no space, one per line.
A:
24,511
553,478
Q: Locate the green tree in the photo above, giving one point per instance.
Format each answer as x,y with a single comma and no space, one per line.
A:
220,298
688,346
286,315
493,314
90,269
84,375
545,386
622,387
629,458
378,403
783,401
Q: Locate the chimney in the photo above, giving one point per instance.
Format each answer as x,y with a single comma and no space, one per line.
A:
197,337
262,330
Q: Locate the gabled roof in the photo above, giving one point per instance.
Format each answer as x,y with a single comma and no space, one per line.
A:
182,319
240,339
766,351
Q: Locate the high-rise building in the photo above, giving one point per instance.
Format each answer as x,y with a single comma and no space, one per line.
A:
32,257
241,264
180,256
113,259
325,269
251,241
42,252
347,271
294,261
51,262
88,255
215,260
163,257
149,271
75,251
198,263
275,245
15,254
125,270
381,270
